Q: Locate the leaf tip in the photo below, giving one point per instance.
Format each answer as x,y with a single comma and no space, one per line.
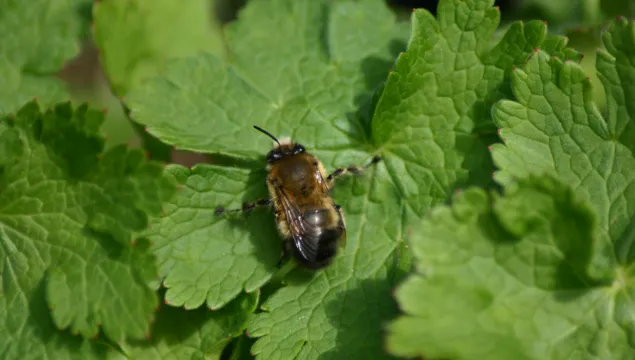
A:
212,308
148,336
247,334
544,22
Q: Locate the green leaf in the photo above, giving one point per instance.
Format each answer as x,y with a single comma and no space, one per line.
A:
61,210
617,73
423,124
39,36
193,334
513,270
319,79
569,264
555,127
318,68
136,37
241,349
433,120
203,257
339,313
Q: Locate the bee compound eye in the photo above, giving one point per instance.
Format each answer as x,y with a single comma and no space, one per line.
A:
298,149
274,155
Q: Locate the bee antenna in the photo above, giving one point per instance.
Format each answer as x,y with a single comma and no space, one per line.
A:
267,133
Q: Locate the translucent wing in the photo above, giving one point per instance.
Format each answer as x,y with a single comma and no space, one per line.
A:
304,234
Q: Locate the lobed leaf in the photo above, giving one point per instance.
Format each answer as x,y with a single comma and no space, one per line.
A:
193,334
513,270
62,211
426,125
203,257
39,36
555,127
433,119
313,72
546,271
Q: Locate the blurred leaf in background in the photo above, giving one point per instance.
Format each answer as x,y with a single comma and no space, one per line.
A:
38,37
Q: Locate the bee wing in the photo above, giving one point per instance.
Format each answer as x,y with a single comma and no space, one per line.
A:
304,235
322,183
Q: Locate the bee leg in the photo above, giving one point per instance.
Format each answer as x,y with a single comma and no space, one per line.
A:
247,207
351,169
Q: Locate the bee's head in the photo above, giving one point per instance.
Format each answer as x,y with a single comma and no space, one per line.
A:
281,148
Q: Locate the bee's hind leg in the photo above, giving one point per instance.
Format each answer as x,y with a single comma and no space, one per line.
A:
247,207
351,169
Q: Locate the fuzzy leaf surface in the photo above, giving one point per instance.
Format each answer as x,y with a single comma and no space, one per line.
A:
514,270
61,213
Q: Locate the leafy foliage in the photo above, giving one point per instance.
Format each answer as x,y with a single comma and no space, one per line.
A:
92,240
135,42
548,266
197,334
298,83
67,215
38,37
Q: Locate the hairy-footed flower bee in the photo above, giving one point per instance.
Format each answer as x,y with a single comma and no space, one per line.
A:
308,219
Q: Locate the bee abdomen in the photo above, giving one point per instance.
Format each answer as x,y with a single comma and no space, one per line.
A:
316,247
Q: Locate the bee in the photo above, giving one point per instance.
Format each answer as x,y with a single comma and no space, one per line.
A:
311,224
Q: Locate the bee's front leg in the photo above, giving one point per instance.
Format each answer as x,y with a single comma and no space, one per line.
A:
351,169
247,206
